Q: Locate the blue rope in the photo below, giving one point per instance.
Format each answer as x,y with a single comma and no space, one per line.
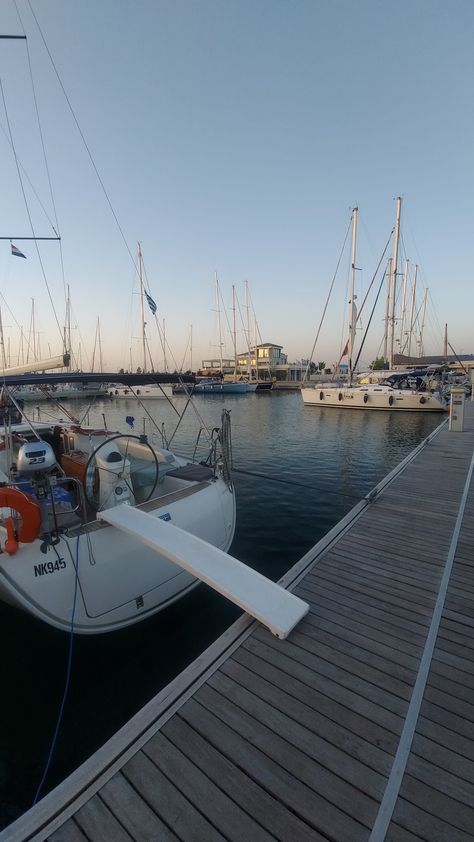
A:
66,686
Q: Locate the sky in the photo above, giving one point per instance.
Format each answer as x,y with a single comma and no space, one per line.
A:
232,137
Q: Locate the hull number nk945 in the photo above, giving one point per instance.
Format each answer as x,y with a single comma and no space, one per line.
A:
49,567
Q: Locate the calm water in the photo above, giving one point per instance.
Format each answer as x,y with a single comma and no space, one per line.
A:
298,470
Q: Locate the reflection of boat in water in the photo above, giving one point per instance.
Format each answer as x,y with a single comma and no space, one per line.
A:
143,393
62,561
216,386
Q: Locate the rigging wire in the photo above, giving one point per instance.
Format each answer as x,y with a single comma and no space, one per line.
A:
327,299
86,146
22,186
43,147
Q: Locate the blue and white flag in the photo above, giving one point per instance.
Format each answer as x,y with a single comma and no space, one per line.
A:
151,303
17,251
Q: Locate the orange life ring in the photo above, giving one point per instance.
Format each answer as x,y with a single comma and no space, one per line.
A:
30,512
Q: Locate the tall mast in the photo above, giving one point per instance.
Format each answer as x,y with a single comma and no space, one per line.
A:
387,310
352,307
412,309
235,333
165,361
404,306
191,348
394,280
140,279
445,344
420,346
219,322
249,345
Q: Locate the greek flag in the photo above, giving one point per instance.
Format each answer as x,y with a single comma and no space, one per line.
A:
17,251
151,303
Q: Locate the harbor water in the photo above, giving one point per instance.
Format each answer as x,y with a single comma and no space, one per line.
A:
297,471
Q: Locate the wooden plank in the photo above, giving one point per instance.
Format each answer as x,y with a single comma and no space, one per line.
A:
133,812
263,599
332,774
342,624
98,822
399,628
276,778
168,802
336,678
325,733
221,811
69,832
314,697
251,797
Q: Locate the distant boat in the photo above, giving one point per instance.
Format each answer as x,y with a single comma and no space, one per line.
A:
377,396
61,391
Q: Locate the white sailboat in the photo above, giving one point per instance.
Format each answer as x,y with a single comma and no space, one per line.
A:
61,561
375,396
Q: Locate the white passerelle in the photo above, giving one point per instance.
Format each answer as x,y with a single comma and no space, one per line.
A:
265,600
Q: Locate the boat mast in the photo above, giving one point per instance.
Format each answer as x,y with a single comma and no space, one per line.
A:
404,305
412,309
235,333
445,344
352,307
387,310
219,322
142,310
420,345
249,346
394,281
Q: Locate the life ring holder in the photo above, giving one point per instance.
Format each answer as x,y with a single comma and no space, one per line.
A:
30,512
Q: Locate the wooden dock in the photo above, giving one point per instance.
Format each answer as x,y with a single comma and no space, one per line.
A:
359,726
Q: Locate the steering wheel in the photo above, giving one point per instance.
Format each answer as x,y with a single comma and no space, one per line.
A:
126,448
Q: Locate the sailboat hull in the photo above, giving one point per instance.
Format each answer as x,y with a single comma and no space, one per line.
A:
372,398
119,583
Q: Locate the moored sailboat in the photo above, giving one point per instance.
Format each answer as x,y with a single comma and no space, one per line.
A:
61,561
383,395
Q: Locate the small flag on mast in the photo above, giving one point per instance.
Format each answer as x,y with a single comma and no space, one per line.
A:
16,251
151,303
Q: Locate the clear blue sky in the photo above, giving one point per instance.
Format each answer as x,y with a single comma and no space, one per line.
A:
236,135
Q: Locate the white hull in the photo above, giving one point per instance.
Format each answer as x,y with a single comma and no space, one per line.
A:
119,582
372,397
87,574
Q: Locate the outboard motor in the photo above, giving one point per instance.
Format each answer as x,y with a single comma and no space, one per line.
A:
35,457
35,460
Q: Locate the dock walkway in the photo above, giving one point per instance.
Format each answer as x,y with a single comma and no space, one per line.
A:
359,726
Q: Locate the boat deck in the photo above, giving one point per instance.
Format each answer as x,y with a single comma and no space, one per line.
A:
357,727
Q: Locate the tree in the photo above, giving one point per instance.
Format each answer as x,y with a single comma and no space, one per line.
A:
378,364
321,366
